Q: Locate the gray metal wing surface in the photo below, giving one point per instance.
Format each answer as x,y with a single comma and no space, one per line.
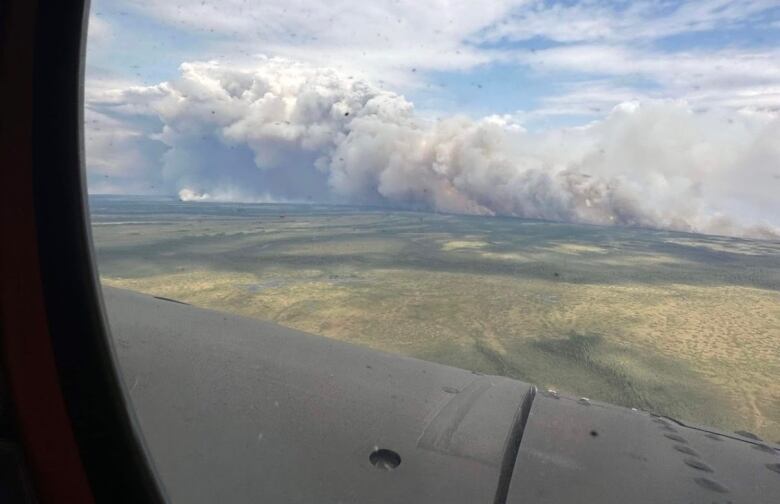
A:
239,410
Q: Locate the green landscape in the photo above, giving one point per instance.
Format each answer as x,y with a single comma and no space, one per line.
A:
681,324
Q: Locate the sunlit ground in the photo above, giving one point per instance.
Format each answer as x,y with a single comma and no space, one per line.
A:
681,324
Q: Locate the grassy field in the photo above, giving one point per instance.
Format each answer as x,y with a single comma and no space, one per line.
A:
681,324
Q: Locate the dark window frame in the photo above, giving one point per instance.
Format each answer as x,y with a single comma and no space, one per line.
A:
80,437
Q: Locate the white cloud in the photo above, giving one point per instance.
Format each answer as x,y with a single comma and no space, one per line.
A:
717,67
611,22
98,30
123,156
387,40
395,43
289,130
592,99
740,79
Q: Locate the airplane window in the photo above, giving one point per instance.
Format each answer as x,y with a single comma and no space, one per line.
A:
582,195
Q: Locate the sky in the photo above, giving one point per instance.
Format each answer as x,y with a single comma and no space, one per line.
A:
654,113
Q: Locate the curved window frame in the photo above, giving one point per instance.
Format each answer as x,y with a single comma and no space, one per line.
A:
72,412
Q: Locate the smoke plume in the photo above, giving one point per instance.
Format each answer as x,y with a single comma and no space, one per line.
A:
289,131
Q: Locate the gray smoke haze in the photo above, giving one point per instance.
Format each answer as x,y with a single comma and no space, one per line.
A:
288,131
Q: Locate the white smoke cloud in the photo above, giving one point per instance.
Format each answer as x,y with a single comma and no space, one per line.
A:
188,194
286,130
227,195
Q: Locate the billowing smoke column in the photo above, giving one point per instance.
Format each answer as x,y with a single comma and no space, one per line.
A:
289,131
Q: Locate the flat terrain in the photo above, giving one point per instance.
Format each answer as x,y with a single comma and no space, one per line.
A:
685,325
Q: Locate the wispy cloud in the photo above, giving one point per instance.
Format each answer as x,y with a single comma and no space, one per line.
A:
620,22
747,79
388,40
397,44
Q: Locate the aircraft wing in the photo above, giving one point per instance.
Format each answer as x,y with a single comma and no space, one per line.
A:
239,410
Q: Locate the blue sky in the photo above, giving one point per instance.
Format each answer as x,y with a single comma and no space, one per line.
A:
548,62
